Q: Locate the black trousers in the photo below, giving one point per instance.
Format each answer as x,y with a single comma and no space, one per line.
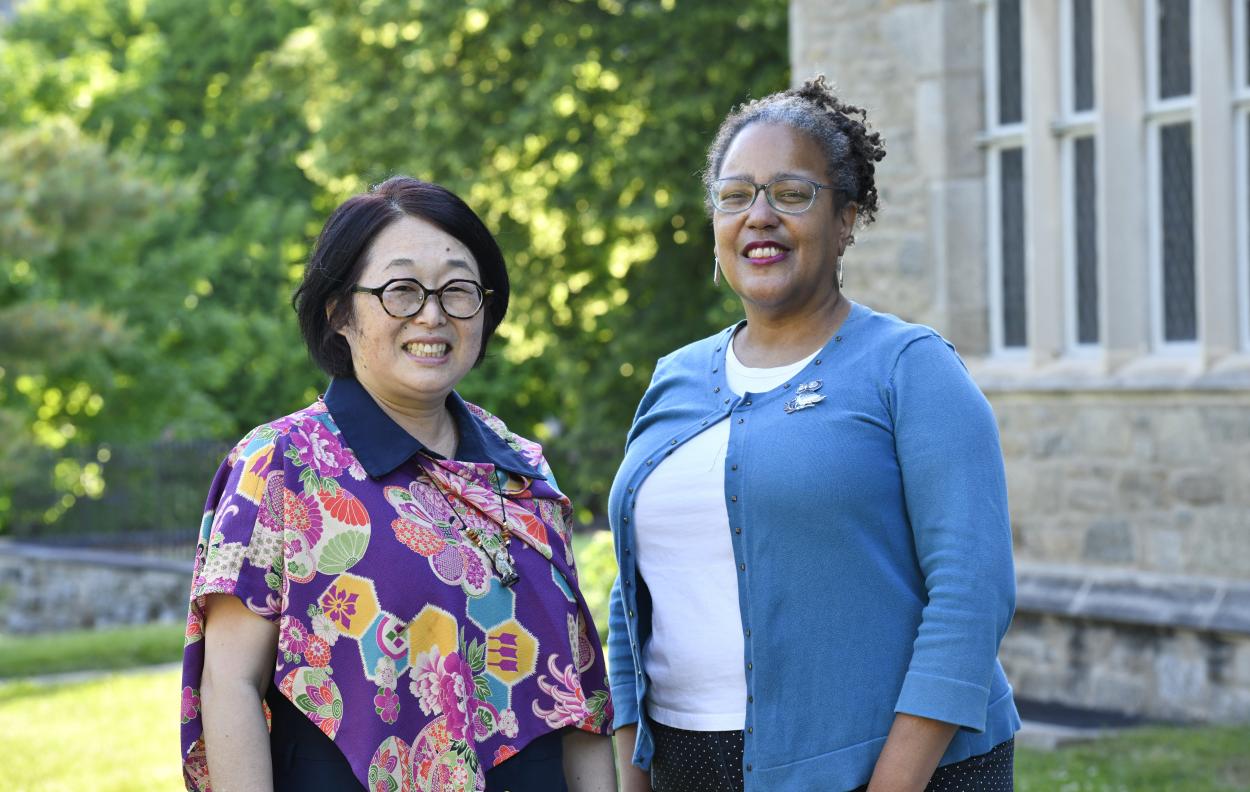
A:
305,760
693,761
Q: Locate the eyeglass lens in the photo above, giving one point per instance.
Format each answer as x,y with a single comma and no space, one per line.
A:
785,195
459,299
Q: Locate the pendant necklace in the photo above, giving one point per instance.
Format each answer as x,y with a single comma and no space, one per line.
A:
495,544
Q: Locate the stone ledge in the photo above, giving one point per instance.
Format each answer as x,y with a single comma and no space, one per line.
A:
1132,597
100,558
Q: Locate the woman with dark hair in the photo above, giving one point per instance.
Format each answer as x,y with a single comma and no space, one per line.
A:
384,591
811,516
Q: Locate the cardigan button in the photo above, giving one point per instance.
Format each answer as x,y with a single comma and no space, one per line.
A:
672,442
624,519
737,530
742,420
816,361
631,614
733,498
747,403
742,567
733,467
750,730
750,699
748,633
716,389
629,489
748,768
750,666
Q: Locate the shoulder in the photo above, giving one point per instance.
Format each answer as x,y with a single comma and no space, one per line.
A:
298,428
696,359
894,342
531,451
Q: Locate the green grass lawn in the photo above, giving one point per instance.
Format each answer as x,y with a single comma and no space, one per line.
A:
1143,760
106,650
116,733
119,731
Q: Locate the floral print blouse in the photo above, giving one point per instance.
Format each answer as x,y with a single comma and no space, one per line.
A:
396,638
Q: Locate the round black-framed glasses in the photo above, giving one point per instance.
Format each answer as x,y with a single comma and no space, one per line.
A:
791,195
404,298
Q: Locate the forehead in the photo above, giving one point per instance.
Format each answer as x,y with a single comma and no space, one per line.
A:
762,152
414,247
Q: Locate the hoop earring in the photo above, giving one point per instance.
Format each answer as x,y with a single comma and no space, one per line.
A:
715,271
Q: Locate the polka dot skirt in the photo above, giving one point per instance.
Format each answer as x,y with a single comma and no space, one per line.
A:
693,761
988,772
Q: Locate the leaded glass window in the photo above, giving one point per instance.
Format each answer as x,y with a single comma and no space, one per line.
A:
1180,314
1085,226
1174,54
1010,84
1011,170
1082,55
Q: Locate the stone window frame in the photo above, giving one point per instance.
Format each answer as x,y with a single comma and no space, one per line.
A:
996,139
1128,358
1241,132
1072,125
1162,113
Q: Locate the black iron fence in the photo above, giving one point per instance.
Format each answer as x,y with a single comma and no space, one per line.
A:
153,500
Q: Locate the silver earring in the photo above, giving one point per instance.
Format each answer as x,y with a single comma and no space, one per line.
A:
715,271
839,272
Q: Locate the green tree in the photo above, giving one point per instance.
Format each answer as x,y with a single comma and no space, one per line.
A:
576,127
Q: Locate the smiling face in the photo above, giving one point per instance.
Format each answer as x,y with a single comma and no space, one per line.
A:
779,264
416,361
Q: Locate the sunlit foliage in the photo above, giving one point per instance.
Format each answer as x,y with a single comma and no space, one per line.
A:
576,128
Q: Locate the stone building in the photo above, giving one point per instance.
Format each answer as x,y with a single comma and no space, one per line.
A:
1066,199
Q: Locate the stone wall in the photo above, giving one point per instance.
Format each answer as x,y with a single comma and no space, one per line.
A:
1157,482
1163,646
1128,472
47,589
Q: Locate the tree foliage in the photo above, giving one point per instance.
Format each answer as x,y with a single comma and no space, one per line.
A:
228,130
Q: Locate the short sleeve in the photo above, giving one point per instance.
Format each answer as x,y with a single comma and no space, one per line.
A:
240,550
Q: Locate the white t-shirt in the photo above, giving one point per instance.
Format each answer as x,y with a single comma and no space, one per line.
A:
694,657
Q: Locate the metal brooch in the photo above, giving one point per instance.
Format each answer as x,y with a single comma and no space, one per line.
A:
806,396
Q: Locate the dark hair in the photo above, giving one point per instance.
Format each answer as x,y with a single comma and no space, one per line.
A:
841,130
339,258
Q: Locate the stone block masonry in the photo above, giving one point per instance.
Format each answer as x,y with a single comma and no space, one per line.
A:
45,589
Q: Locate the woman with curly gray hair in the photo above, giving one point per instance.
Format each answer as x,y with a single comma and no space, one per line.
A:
811,515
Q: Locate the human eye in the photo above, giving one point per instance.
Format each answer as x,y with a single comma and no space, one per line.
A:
792,192
403,287
733,193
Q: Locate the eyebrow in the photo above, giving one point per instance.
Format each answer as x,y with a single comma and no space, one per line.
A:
455,262
776,177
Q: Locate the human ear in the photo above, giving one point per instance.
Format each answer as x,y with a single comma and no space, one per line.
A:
848,214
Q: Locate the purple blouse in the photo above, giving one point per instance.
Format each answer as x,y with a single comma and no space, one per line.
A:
396,638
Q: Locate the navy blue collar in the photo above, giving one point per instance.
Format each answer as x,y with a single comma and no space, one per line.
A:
382,445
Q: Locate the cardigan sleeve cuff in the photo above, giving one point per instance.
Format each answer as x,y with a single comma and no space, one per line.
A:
624,702
948,700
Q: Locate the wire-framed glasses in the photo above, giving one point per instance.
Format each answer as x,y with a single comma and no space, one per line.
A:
789,196
404,297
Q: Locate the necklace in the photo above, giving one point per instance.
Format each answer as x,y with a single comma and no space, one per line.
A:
494,545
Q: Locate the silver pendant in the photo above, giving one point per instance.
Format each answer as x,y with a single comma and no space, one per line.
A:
806,396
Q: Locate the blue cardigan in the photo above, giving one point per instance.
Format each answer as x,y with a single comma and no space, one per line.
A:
872,542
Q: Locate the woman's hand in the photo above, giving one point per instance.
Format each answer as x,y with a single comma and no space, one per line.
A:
633,778
911,754
239,653
588,762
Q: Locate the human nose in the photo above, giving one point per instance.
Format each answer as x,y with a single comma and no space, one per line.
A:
761,214
433,316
